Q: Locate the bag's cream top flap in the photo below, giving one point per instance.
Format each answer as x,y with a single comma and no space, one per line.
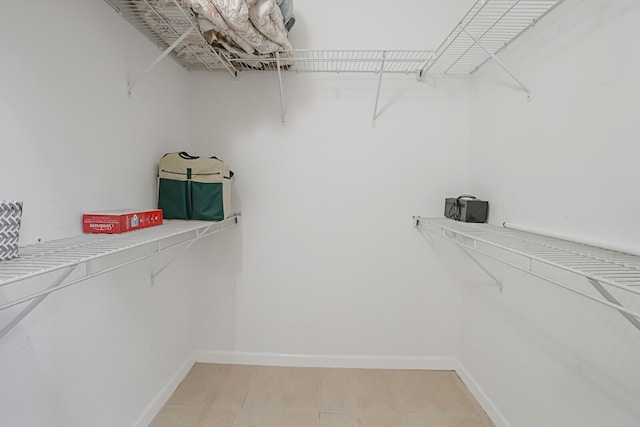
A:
183,167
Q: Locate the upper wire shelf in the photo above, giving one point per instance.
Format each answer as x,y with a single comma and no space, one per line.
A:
494,24
165,22
487,28
175,29
619,271
340,61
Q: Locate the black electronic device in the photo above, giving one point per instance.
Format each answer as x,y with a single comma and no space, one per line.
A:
466,208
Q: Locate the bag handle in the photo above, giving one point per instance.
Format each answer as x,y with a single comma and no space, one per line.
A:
456,209
188,156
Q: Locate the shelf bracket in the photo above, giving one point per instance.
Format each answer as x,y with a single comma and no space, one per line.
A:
544,252
479,264
213,228
375,108
417,223
35,302
500,63
166,52
607,295
184,249
283,117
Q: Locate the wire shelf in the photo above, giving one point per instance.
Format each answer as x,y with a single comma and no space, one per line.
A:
613,268
340,61
600,266
66,255
495,23
164,22
44,258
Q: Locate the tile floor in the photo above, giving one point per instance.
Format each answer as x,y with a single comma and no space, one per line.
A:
258,396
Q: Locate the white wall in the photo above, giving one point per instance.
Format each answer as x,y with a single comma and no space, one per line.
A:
72,141
564,162
330,263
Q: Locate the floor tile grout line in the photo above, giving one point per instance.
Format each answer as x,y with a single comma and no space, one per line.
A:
394,395
320,395
244,398
383,413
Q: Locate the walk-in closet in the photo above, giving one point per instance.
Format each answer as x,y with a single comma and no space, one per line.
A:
342,276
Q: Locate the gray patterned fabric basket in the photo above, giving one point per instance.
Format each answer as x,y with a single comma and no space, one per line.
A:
10,219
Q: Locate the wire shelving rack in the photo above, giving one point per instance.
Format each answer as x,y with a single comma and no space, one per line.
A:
77,259
614,275
487,28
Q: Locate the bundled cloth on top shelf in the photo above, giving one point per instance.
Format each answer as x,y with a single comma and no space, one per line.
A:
286,7
253,27
247,31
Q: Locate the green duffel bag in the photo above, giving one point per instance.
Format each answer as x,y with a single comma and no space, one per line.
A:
192,187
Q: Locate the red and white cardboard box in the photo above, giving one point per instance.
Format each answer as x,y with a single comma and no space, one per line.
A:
121,221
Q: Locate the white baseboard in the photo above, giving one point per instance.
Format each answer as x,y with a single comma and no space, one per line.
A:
327,361
481,396
164,394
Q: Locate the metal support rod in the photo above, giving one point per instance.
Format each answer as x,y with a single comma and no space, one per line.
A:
495,279
283,118
425,66
533,21
428,64
506,12
200,234
223,60
498,61
73,282
607,295
28,309
417,223
160,58
375,108
182,251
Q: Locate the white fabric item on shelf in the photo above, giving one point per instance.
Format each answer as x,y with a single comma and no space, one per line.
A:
253,27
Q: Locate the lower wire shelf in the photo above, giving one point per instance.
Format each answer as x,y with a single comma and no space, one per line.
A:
608,272
65,256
